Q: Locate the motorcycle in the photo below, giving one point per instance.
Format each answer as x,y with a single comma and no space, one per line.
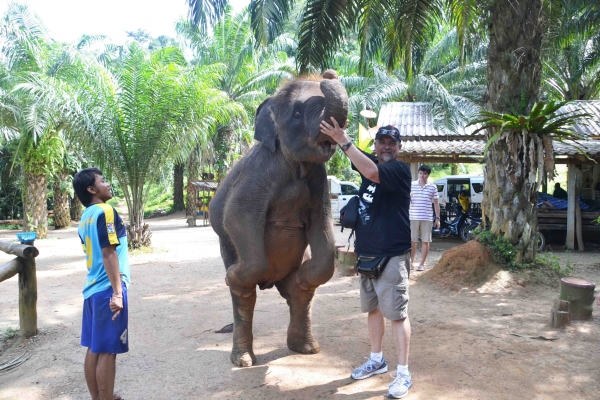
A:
454,227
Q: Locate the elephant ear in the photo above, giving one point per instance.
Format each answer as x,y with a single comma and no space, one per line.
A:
264,127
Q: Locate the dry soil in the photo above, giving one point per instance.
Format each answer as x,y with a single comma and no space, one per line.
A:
461,347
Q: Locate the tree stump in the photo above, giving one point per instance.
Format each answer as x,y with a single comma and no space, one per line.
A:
561,314
580,293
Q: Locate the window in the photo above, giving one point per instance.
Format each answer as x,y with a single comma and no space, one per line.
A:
477,187
349,190
440,188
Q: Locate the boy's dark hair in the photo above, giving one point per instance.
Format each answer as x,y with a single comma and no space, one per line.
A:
82,180
425,168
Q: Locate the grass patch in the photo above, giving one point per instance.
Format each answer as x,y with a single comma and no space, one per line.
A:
113,202
504,252
159,198
10,333
10,227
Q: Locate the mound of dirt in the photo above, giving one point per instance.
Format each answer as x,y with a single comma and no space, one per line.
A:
468,265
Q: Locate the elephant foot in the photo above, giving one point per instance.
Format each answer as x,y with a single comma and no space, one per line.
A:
236,286
243,358
303,345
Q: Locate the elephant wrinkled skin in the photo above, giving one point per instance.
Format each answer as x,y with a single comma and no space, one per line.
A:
274,204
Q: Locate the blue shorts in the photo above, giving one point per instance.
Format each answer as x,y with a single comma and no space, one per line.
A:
98,331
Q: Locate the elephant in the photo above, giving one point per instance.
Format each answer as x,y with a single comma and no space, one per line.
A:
274,204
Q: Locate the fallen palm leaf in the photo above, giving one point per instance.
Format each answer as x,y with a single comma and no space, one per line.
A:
7,366
226,329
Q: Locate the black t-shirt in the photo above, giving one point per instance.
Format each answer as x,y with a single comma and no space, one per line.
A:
383,226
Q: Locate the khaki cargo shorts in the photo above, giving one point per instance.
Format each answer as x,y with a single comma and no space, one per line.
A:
420,229
389,292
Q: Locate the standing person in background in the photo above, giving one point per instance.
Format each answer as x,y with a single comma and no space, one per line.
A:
105,311
382,231
422,194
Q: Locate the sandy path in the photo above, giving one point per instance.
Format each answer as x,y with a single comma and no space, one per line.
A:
460,346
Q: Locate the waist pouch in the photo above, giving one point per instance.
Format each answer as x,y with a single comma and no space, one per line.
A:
371,267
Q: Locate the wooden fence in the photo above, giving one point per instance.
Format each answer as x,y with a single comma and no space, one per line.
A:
24,265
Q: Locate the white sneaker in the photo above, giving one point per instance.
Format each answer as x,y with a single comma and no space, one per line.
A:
370,368
400,385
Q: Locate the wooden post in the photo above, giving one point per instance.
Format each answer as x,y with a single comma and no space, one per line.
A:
571,180
580,293
414,170
578,227
24,265
561,314
28,298
346,260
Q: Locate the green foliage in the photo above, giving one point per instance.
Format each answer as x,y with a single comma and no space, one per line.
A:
553,262
159,198
503,252
544,119
113,202
10,333
11,227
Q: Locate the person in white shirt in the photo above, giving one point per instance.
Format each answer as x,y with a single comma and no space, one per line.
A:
422,194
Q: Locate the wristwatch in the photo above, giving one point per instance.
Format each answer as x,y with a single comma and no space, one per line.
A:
346,146
437,218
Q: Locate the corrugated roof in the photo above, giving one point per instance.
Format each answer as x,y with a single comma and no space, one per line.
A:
466,147
589,126
416,120
475,147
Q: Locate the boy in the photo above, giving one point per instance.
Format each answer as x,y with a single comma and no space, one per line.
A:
105,312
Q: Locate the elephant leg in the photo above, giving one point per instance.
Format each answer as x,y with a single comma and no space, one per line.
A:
243,312
299,334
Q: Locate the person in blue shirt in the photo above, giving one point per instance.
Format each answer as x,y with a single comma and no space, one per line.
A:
105,313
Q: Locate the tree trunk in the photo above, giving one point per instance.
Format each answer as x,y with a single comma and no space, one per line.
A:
178,187
510,194
454,169
512,162
138,233
192,195
35,213
62,212
76,208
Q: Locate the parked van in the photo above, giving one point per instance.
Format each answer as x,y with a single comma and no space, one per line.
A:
340,192
449,188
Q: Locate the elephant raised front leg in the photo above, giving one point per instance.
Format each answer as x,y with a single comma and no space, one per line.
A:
299,334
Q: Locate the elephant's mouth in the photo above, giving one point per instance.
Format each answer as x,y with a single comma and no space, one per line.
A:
327,147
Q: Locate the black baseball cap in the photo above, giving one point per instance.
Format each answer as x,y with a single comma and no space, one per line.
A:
390,131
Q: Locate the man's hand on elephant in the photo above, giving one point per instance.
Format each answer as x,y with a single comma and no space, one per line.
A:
336,132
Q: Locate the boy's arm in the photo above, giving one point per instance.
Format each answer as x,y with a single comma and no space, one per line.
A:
111,266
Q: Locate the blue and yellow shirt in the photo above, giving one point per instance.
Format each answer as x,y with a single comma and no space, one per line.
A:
101,226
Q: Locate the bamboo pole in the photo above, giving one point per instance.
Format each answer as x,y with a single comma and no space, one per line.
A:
28,298
10,269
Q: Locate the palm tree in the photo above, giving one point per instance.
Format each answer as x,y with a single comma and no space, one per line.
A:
516,31
35,126
141,111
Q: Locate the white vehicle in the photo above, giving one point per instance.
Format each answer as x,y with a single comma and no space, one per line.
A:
449,188
340,192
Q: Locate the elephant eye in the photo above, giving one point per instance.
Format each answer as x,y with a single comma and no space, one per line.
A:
297,114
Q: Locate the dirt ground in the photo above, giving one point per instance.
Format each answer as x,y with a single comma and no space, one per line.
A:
461,347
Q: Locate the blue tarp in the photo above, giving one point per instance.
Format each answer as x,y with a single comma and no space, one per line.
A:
558,204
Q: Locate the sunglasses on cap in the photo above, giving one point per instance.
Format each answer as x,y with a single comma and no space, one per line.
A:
395,133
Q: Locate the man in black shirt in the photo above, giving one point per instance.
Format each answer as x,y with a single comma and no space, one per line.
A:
383,229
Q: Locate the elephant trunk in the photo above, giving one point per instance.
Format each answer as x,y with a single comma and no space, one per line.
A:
336,101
